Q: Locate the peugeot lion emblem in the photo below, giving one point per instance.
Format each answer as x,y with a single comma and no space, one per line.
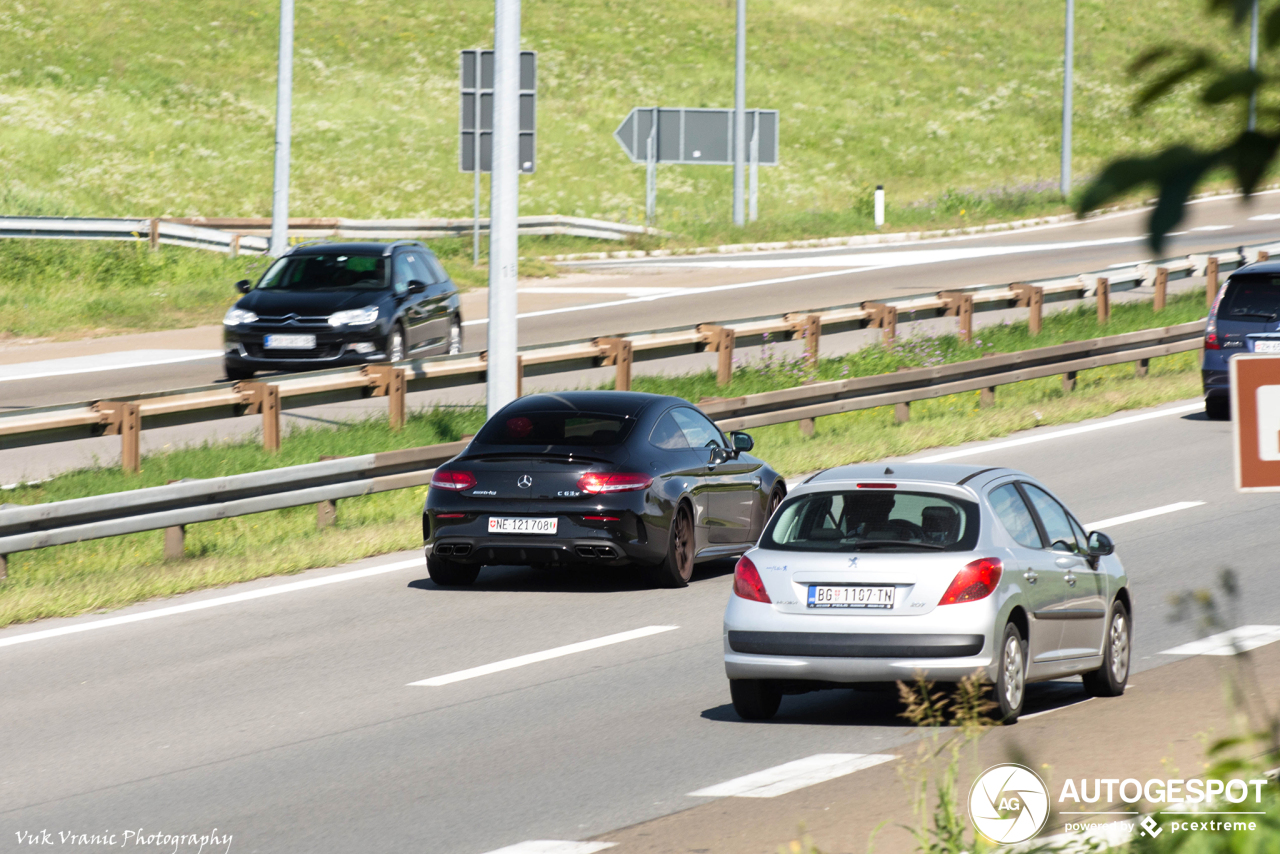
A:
525,481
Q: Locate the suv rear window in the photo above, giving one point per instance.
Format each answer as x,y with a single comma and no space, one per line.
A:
1252,298
874,519
578,429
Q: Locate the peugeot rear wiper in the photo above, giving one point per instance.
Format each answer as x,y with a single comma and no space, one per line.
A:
911,543
1253,314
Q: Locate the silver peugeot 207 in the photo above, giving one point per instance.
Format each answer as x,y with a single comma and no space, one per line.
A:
872,574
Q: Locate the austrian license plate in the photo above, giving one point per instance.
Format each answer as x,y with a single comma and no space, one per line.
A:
291,342
1266,346
850,596
509,525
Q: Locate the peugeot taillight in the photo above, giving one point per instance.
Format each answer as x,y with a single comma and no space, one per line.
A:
747,583
976,581
453,480
1211,341
594,483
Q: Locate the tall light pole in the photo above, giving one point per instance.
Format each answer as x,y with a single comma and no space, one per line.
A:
740,118
504,205
284,107
1068,60
1253,66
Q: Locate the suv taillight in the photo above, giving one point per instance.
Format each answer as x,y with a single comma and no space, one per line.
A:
976,581
747,583
455,481
602,484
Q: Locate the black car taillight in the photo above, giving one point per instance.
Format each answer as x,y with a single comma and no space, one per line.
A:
593,483
454,481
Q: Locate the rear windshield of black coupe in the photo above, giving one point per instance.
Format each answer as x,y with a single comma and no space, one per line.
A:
1251,298
884,520
335,272
577,429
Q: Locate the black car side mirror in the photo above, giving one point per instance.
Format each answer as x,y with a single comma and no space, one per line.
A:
742,442
417,287
1100,544
244,286
720,455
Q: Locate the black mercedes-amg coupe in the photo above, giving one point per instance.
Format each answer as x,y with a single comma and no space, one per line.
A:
597,478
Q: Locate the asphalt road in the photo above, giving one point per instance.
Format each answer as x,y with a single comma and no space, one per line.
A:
288,720
633,296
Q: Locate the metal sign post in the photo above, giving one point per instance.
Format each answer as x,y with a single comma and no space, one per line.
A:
753,208
1255,416
284,108
686,135
739,112
475,121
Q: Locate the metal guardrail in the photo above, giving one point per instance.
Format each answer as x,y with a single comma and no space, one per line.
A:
23,528
236,235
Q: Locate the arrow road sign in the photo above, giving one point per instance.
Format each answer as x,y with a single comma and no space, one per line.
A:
693,135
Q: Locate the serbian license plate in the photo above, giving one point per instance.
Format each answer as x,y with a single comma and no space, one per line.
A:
849,596
1266,346
291,342
508,525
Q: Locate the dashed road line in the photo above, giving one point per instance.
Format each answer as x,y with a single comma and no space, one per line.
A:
1240,639
781,779
1143,514
105,362
554,846
535,657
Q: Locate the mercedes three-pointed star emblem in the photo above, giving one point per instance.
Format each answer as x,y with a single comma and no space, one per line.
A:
525,481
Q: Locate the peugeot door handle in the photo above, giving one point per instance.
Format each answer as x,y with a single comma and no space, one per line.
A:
1070,579
1031,575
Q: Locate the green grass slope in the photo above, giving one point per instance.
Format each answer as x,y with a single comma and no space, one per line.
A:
142,107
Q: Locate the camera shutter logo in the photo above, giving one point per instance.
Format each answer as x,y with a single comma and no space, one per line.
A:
1009,804
525,481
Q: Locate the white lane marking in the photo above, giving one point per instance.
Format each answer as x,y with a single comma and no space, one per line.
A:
1264,217
106,362
1211,228
1241,639
782,280
234,598
535,657
1059,434
625,291
902,258
1142,514
790,776
554,846
1057,708
1129,264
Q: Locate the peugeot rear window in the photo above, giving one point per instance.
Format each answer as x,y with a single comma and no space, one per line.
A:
1253,298
886,520
578,429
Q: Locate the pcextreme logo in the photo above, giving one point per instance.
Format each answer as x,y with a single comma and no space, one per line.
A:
1009,804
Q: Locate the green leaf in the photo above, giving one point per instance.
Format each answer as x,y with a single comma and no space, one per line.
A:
1234,84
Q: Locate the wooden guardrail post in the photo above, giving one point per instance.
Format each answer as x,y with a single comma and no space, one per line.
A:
902,412
808,327
264,398
153,237
960,305
1069,381
235,246
388,381
123,419
987,397
519,375
883,317
1030,297
1162,287
326,514
1210,281
175,542
4,567
719,340
617,351
1103,292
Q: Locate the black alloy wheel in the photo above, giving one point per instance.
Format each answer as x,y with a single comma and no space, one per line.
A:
238,374
1217,408
447,573
774,500
677,567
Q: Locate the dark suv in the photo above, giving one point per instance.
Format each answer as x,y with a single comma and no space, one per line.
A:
1245,318
323,305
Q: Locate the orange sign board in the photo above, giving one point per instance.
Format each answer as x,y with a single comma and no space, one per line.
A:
1255,415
